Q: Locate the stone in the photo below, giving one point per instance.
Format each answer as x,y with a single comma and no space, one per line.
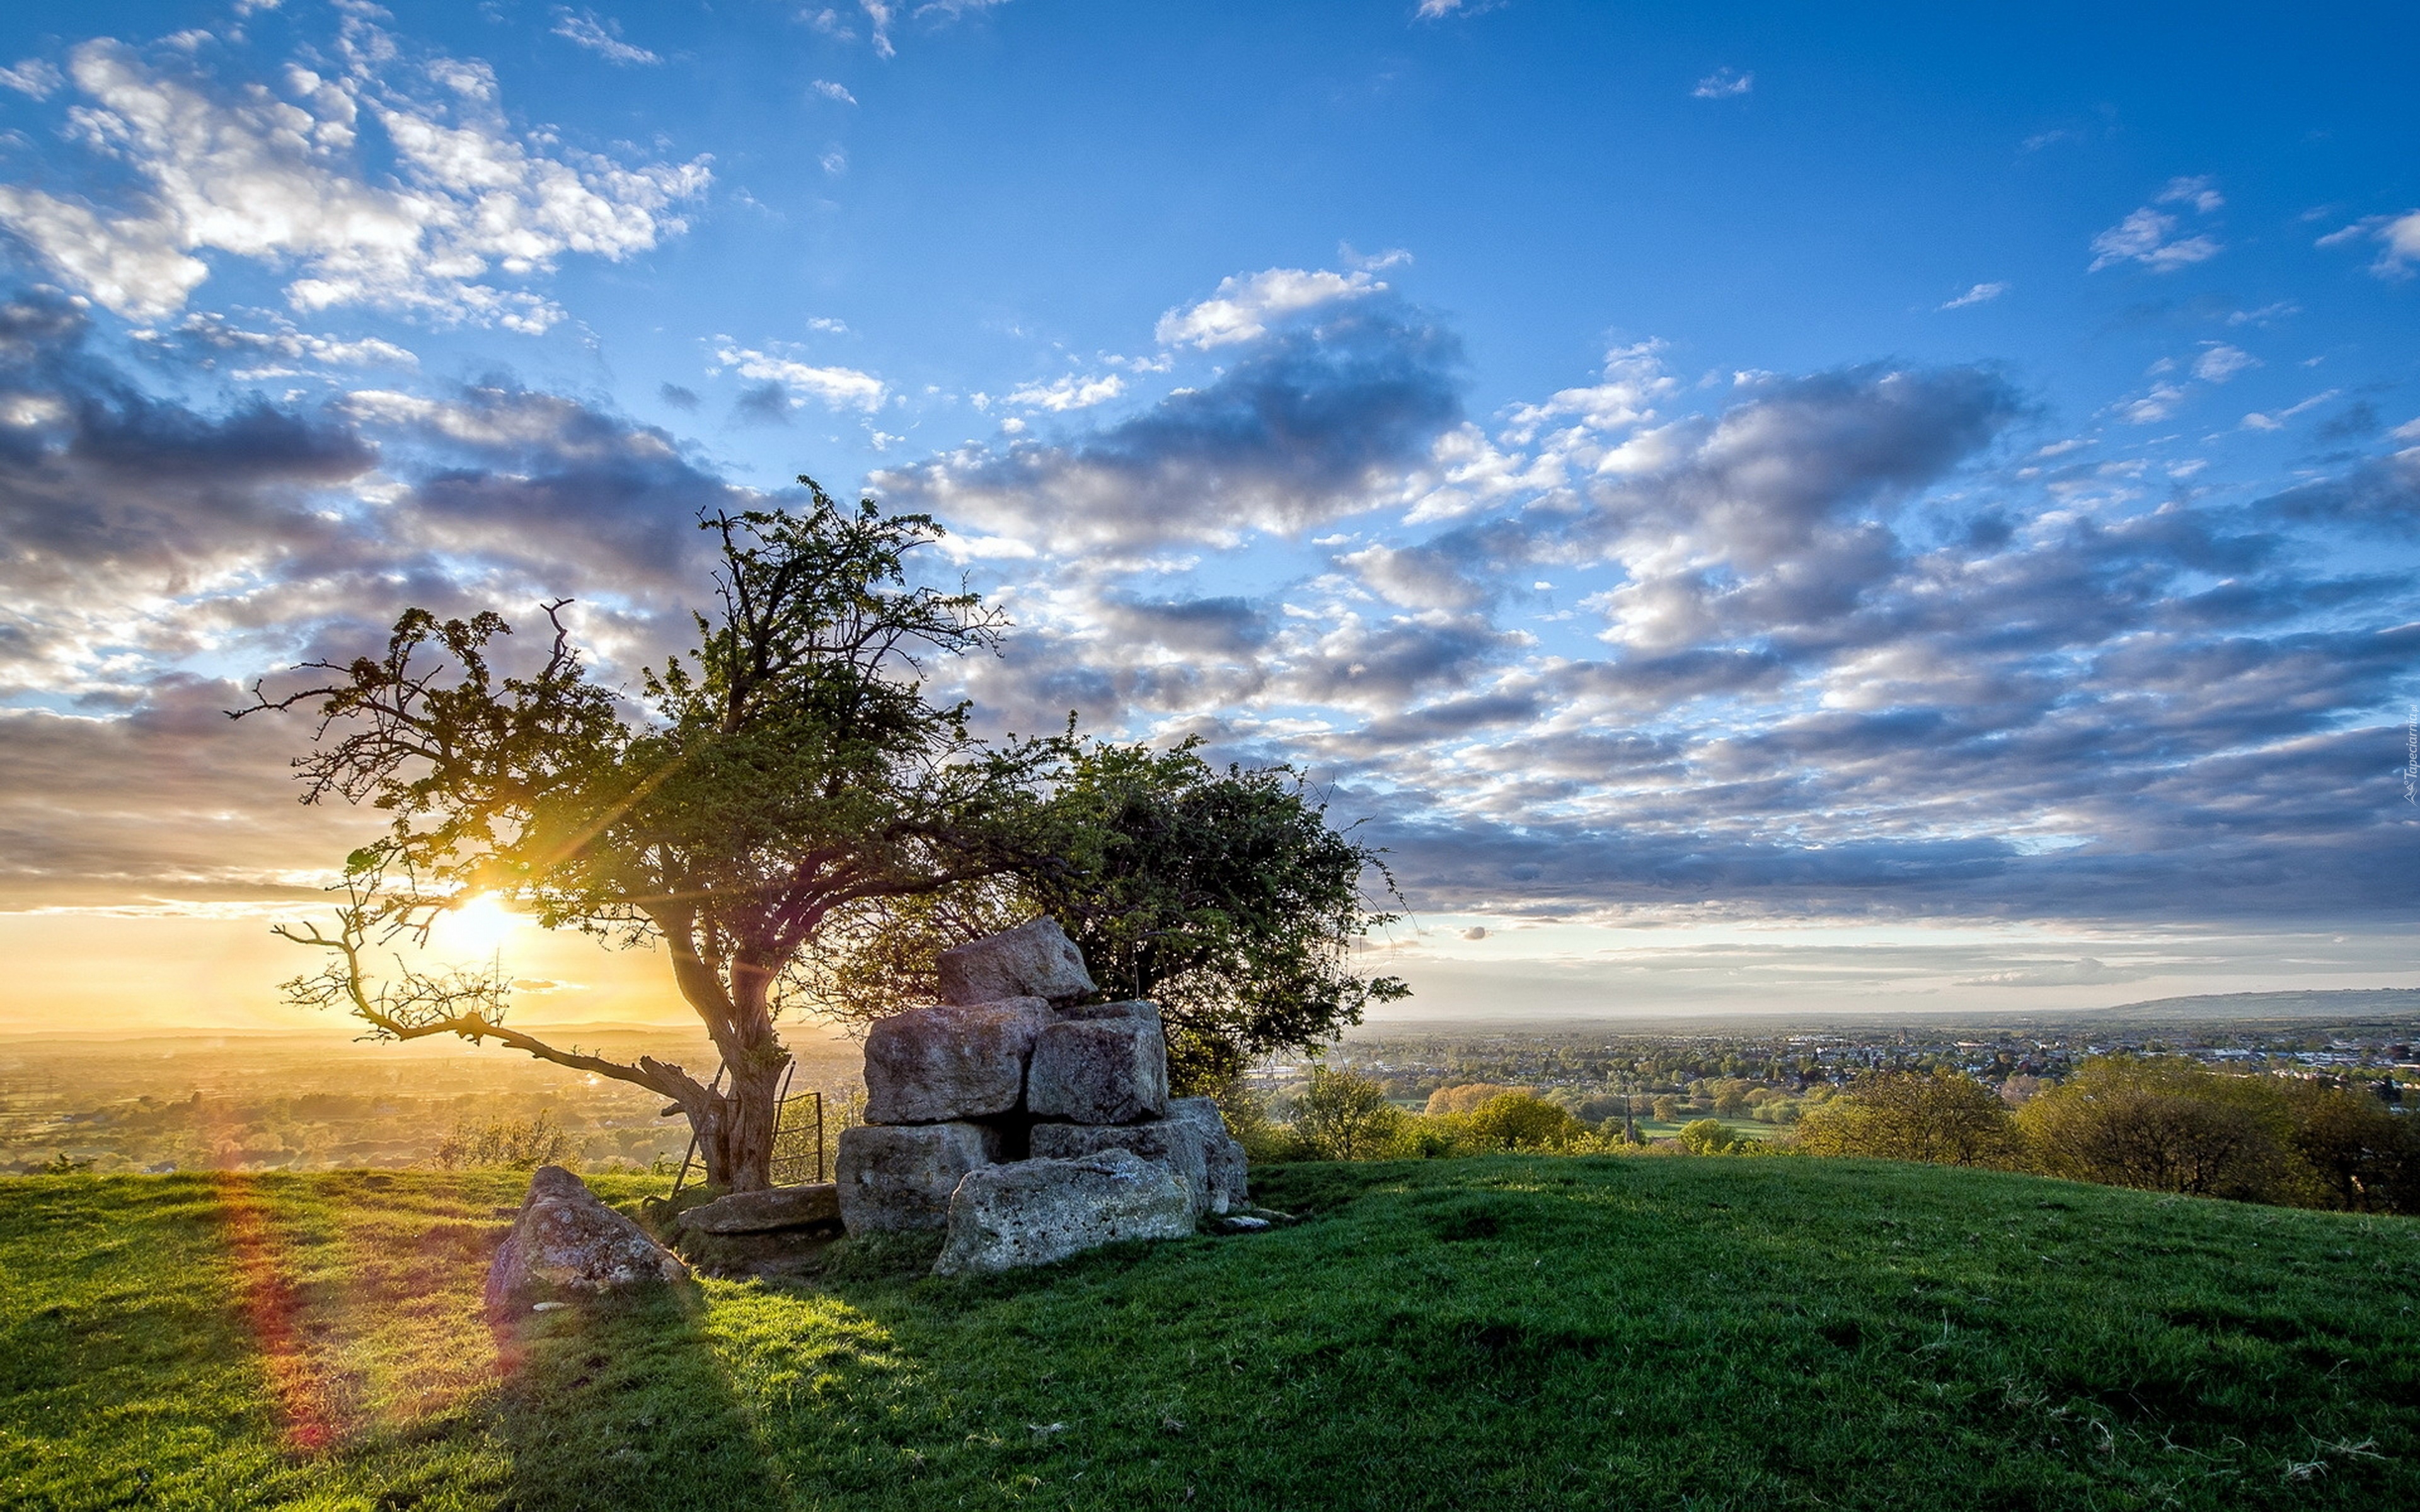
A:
1099,1071
1224,1158
1175,1145
816,1205
1035,1211
951,1061
1034,960
1131,1009
896,1176
567,1244
1243,1224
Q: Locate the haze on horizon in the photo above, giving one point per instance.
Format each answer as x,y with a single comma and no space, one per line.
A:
1757,512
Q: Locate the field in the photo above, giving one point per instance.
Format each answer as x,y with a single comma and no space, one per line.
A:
1641,1331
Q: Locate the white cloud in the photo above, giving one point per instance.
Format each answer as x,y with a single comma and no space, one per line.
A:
1243,307
2154,407
877,20
833,91
1980,294
278,180
842,388
1634,379
600,36
2277,420
1069,392
2148,237
2398,234
835,161
32,77
2222,362
2197,192
1722,84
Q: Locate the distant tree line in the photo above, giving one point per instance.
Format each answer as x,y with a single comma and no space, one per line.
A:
2159,1123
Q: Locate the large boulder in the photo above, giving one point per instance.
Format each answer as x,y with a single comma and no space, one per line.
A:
1221,1154
567,1244
951,1061
1034,960
894,1177
1034,1211
1099,1071
1175,1145
816,1205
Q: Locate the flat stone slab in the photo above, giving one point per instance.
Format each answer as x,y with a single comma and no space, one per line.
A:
951,1061
567,1243
816,1205
1173,1144
900,1177
1034,960
1227,1166
1132,1007
1099,1071
1035,1211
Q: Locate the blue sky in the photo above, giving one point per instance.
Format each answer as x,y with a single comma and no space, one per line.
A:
1876,506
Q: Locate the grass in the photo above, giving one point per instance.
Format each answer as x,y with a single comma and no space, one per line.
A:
1551,1333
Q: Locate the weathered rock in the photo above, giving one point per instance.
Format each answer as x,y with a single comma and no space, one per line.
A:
894,1177
1034,1211
1133,1008
1221,1155
567,1244
951,1061
1034,960
1175,1145
1099,1071
812,1205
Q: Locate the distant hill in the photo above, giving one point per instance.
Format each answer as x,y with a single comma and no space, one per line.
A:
2340,1003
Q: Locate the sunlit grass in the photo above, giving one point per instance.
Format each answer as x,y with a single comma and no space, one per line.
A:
1539,1332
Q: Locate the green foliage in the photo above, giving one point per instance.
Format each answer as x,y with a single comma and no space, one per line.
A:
508,1144
1340,1116
1946,1118
1225,897
1515,1120
1514,1331
2165,1124
1711,1136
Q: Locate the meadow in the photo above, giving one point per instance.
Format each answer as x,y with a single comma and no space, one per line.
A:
1515,1332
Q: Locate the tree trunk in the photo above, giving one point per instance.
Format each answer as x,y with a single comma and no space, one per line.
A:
735,1134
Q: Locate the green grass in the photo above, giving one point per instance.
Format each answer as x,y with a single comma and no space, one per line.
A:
1645,1332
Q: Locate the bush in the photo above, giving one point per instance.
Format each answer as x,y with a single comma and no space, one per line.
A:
1708,1137
2167,1124
507,1144
1944,1119
1339,1116
1464,1099
1516,1120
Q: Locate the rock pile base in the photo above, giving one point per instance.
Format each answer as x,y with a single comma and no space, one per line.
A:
1034,1211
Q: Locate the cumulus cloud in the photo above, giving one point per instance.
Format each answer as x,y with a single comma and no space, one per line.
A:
839,388
2398,238
1246,306
1322,420
833,91
276,174
1074,392
2220,362
1722,84
2149,236
34,77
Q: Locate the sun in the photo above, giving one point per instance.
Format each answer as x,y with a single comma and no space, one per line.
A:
478,927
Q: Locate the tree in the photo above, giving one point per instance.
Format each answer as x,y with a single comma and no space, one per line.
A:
1519,1119
790,769
1710,1136
1225,897
1947,1119
1341,1115
2165,1124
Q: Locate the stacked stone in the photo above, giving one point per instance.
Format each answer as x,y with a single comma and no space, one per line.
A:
1013,1076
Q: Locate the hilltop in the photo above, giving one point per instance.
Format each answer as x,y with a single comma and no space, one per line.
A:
1522,1333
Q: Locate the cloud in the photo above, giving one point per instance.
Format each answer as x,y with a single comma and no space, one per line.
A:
1980,294
1069,392
2153,408
1317,420
2398,237
34,77
2220,362
1722,84
833,91
678,397
2085,972
2275,419
1245,306
838,388
602,37
2149,237
275,174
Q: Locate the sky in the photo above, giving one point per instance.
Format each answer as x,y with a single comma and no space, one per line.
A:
1755,508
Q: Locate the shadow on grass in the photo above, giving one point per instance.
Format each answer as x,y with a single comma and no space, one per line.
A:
628,1407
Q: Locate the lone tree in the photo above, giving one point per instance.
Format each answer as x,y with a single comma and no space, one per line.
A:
1223,896
789,770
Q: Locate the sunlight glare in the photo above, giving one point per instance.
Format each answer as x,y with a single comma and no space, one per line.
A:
478,928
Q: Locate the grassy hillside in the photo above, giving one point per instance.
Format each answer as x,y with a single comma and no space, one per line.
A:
1639,1333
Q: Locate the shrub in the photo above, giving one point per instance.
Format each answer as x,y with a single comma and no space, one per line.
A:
507,1144
1340,1116
1518,1121
2166,1124
1708,1137
1464,1099
1944,1119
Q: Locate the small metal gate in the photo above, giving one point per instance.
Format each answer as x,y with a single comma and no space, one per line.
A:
798,1137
